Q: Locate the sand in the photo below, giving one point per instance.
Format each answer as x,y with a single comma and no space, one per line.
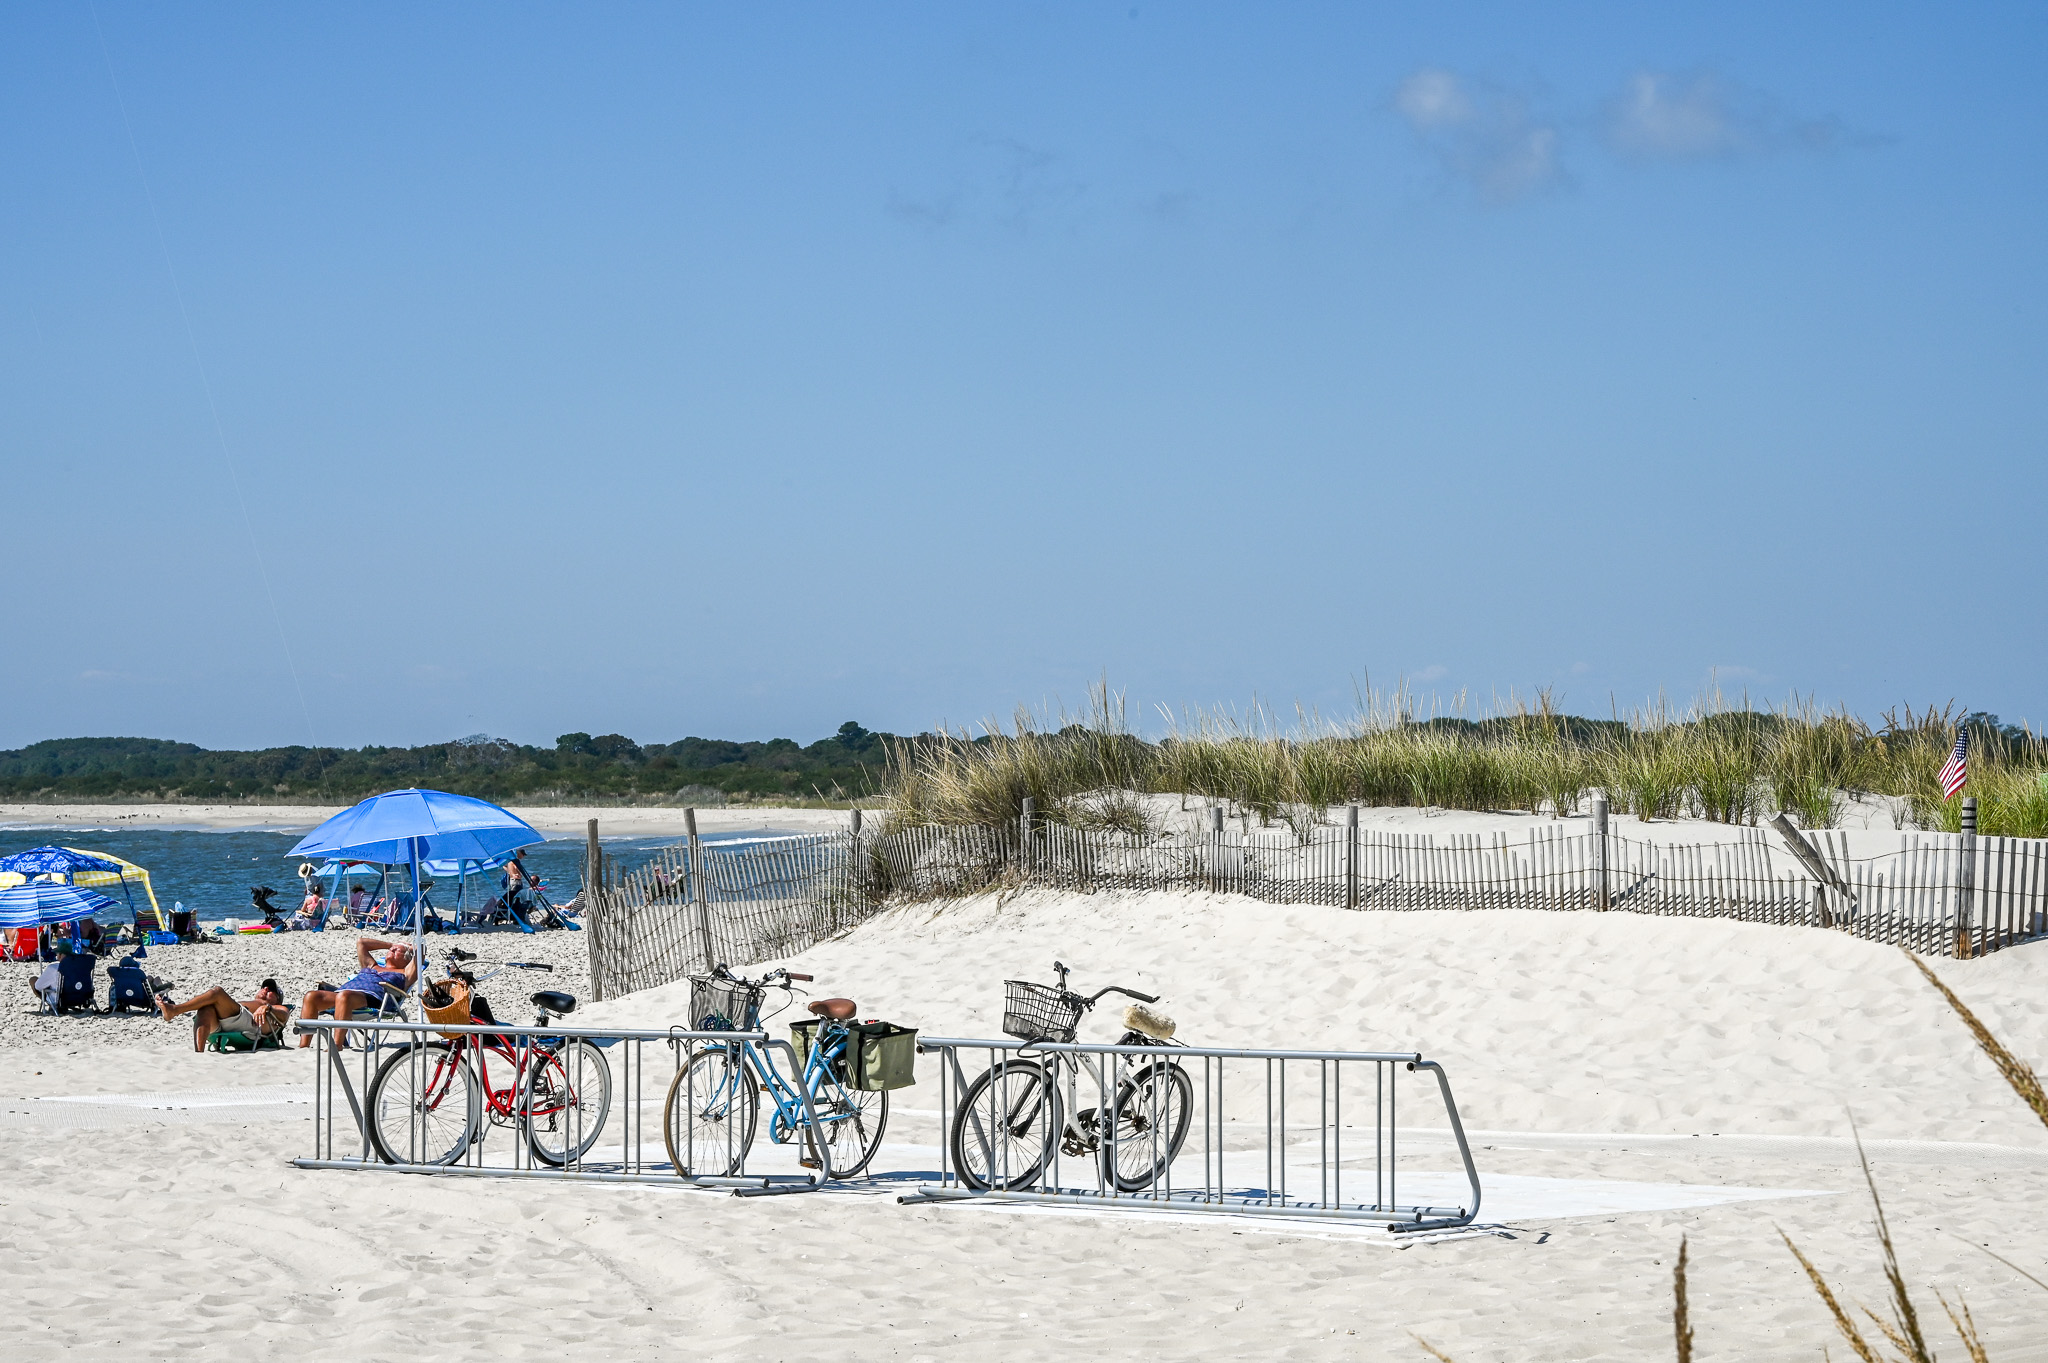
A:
296,960
1586,1052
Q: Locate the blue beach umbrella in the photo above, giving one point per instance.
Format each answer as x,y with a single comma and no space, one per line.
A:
43,861
401,827
41,902
408,827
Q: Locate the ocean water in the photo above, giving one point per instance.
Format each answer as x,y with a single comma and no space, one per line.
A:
211,872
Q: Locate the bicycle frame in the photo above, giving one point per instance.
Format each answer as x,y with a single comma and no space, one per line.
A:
793,1101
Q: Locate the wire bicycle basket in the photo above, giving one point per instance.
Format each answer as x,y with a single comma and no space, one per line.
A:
722,1005
1040,1012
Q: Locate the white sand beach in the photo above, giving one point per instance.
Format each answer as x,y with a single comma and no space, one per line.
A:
1627,1081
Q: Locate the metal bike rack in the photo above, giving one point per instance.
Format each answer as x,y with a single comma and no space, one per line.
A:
1272,1133
618,1153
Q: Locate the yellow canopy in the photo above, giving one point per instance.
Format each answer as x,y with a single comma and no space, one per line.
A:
129,873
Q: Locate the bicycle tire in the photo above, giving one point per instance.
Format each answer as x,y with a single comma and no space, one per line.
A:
1157,1098
1015,1151
411,1105
854,1121
564,1100
725,1108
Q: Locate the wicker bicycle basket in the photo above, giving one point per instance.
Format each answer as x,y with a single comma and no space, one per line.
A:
1039,1012
455,1012
722,1006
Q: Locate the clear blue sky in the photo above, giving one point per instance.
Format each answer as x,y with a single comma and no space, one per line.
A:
766,366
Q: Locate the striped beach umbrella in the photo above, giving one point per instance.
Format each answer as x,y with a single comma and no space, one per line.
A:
41,903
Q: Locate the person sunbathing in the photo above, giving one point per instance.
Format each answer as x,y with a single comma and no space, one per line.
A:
218,1011
365,987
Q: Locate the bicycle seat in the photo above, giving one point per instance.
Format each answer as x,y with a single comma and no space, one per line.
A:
555,1001
839,1010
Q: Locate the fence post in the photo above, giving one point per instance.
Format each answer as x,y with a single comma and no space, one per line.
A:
593,916
1351,857
1600,851
1216,849
1966,882
697,887
1024,837
860,861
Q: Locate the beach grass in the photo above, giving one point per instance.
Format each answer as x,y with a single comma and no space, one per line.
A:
1717,759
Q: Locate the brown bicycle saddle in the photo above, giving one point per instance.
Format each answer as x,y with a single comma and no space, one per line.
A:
839,1010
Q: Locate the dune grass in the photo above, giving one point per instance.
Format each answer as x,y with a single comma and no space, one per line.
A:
1715,759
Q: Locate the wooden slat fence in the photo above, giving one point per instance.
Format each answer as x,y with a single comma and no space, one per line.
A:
777,897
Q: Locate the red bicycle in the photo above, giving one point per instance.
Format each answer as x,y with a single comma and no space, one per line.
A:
432,1100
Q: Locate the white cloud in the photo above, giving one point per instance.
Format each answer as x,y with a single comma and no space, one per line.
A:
1433,98
1486,137
1434,672
1662,116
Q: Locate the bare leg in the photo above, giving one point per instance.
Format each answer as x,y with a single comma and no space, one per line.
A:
345,1008
314,1004
215,998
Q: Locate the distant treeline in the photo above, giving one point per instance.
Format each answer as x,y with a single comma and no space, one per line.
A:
848,765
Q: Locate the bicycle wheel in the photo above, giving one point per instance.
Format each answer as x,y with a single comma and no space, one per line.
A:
565,1099
1148,1125
1006,1125
424,1105
709,1117
854,1120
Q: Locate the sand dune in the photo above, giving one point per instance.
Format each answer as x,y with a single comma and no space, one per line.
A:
1587,1050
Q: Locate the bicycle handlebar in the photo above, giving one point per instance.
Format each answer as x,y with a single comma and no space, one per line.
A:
1128,993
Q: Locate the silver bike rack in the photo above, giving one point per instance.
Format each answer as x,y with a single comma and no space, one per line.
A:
1271,1133
627,1148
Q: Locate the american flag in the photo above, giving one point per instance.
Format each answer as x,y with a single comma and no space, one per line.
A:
1958,769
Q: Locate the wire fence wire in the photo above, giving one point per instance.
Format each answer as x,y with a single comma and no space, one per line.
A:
1937,894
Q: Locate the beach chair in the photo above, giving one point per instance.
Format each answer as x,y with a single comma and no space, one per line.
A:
270,1038
129,987
65,985
390,1007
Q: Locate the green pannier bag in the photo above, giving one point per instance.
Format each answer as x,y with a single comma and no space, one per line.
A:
884,1056
804,1035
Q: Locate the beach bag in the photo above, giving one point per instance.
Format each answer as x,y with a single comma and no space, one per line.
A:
454,1012
804,1035
882,1056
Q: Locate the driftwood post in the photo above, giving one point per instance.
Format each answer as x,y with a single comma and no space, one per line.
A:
698,893
1966,881
860,862
1600,851
1351,857
593,915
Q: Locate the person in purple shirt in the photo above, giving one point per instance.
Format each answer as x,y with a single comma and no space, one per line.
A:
366,986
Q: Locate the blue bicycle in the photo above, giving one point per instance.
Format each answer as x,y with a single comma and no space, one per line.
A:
714,1103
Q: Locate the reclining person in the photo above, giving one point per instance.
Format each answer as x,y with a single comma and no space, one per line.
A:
218,1011
366,987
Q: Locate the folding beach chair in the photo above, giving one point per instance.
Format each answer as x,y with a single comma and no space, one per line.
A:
65,985
269,1037
390,1008
128,987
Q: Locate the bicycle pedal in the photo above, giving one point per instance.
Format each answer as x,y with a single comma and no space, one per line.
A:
808,1163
